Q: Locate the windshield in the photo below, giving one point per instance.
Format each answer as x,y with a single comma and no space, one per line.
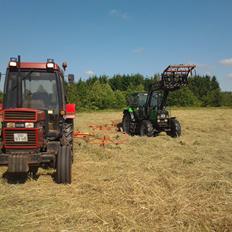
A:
138,99
142,98
39,90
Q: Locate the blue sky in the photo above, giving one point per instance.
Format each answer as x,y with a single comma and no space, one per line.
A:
120,36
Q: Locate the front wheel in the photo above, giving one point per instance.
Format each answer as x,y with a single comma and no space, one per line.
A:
146,128
33,171
64,165
175,128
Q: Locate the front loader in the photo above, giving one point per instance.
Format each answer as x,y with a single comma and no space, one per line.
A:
146,113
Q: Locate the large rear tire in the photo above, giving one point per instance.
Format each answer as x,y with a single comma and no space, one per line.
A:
175,128
68,133
146,128
126,123
64,165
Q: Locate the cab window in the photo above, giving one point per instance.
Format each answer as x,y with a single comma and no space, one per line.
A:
154,100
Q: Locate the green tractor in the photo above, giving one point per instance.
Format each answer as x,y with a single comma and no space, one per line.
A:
146,113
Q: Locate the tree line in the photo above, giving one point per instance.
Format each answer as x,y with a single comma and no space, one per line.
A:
103,92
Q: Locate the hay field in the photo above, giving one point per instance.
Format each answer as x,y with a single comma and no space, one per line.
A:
147,184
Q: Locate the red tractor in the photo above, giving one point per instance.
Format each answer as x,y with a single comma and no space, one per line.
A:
37,121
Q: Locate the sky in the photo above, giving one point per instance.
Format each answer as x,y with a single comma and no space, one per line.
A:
120,36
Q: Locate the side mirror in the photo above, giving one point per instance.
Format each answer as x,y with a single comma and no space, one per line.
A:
64,65
70,78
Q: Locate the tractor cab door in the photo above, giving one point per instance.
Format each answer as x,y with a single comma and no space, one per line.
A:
142,98
152,110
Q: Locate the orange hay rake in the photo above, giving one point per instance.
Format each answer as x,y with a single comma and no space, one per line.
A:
105,127
102,139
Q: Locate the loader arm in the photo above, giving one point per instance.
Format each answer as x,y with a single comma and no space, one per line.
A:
173,78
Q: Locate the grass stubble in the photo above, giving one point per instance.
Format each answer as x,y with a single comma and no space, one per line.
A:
146,184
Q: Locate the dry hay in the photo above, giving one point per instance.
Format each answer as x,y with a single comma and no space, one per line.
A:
148,184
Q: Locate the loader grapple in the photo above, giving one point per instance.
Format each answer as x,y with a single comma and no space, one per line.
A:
175,76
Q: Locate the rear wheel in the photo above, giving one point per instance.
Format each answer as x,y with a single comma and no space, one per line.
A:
64,165
146,128
126,123
175,128
68,133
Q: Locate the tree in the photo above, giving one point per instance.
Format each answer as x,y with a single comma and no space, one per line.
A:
111,92
101,96
183,97
226,98
120,99
213,98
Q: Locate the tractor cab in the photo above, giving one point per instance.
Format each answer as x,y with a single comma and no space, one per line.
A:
158,116
144,105
37,86
37,125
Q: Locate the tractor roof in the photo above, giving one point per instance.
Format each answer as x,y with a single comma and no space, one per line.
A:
31,65
138,93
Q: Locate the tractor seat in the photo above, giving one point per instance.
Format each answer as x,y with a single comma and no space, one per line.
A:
40,98
38,104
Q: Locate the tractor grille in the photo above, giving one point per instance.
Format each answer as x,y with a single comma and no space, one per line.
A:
19,115
9,138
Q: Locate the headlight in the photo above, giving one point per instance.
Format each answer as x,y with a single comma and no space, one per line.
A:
158,120
162,115
29,125
10,125
165,120
13,64
50,65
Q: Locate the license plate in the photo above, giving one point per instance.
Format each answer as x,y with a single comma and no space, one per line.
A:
20,137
